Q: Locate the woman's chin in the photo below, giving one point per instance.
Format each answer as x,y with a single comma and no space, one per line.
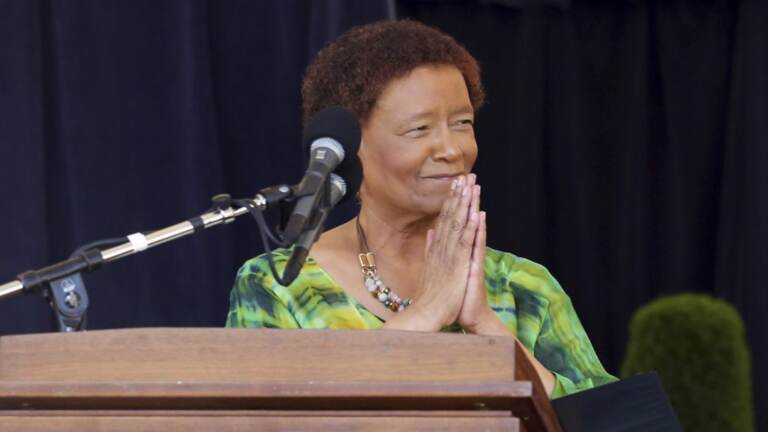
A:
432,204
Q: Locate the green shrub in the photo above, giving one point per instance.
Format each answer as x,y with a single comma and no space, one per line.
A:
697,345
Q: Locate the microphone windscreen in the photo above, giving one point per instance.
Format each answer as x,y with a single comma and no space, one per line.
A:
340,124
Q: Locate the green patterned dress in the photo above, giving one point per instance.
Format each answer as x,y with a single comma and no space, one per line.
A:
523,294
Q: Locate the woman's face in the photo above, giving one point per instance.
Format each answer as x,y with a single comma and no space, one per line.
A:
417,138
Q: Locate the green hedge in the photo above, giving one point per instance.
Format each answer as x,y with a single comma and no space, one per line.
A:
697,345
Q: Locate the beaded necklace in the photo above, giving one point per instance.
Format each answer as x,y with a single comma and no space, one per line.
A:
371,279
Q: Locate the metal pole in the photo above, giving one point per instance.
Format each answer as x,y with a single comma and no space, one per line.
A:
164,235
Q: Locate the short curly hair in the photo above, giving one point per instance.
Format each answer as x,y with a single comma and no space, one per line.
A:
353,71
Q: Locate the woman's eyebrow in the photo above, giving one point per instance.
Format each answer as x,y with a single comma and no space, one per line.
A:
464,109
418,116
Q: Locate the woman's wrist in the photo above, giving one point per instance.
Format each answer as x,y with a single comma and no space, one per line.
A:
414,319
488,324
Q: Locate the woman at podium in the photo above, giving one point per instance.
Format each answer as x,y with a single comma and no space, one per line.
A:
419,240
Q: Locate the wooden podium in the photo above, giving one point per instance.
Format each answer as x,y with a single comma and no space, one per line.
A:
247,379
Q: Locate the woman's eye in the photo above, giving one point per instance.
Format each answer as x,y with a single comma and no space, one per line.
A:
417,131
465,124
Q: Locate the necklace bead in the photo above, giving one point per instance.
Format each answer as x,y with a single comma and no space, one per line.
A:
383,293
373,284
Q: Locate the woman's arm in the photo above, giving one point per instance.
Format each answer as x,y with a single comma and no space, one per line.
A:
491,325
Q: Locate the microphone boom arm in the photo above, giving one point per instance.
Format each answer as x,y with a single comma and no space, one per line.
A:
223,213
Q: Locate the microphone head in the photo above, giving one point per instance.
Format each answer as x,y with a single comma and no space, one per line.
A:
341,125
338,189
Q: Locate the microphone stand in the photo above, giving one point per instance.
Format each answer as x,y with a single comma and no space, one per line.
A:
63,285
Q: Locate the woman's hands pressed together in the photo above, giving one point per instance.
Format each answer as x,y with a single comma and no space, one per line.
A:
453,277
475,310
448,253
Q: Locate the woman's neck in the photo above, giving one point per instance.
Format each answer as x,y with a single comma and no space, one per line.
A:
395,235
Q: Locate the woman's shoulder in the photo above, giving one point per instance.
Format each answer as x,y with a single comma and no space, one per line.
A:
258,270
506,268
260,262
312,300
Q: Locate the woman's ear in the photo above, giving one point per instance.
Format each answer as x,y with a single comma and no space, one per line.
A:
361,157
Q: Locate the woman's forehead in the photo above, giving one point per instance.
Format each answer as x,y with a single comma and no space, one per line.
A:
424,91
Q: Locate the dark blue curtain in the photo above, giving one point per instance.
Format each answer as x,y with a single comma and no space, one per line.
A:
118,117
624,145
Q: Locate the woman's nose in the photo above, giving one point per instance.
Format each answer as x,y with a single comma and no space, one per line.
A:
447,145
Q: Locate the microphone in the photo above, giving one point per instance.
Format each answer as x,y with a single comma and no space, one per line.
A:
333,137
338,189
346,127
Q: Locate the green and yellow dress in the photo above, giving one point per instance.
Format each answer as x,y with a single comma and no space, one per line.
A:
524,295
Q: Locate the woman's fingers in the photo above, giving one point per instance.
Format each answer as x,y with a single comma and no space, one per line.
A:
448,207
476,298
452,249
476,276
471,186
482,233
457,209
465,184
476,199
460,220
466,239
478,251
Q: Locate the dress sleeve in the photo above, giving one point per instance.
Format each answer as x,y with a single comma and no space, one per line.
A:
253,301
564,348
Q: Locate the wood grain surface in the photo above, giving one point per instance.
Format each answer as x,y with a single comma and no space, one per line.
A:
280,356
187,369
262,424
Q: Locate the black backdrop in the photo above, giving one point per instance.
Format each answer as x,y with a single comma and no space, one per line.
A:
624,145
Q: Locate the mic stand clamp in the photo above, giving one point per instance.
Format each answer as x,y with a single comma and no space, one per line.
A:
69,300
63,287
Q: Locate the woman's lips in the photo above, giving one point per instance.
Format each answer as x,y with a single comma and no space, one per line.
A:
441,177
